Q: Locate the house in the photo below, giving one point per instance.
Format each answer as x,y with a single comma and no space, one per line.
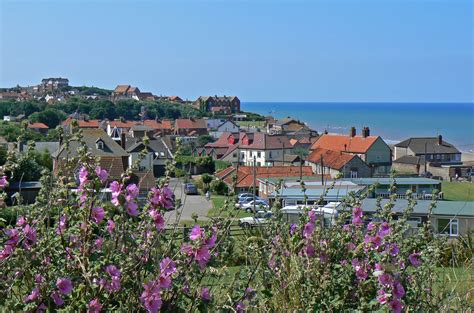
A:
54,83
289,192
155,159
190,127
175,99
124,92
371,149
140,131
160,128
409,164
245,148
336,163
218,104
146,96
113,157
82,122
224,127
116,128
421,188
245,178
286,125
38,127
448,218
430,149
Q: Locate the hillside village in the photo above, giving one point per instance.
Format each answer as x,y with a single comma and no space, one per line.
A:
245,152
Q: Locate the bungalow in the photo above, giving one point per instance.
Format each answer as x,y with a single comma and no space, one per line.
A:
429,149
449,218
39,127
113,157
190,127
371,149
245,178
421,188
336,163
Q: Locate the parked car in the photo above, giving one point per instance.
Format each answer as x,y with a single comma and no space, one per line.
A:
260,218
247,199
249,206
190,189
244,195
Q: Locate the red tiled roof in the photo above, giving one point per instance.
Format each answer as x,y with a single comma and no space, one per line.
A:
121,88
190,123
38,126
356,144
121,124
157,124
332,159
245,173
82,123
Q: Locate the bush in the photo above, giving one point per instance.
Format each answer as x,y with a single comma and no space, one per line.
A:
219,187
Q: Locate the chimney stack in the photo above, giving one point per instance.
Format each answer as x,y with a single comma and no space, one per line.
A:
352,132
325,131
440,140
365,132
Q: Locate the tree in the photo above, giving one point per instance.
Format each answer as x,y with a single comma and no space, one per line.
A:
50,117
204,139
206,180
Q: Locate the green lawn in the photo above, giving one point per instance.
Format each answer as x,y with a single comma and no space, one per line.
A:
251,123
218,209
458,191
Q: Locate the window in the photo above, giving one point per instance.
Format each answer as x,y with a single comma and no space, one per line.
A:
270,154
448,226
414,221
99,145
438,156
354,173
259,154
162,154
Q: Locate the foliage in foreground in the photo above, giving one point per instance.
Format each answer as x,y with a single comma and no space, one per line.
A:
77,251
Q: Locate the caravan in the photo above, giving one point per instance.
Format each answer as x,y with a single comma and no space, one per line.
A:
291,214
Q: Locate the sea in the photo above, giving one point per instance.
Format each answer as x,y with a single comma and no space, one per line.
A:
394,122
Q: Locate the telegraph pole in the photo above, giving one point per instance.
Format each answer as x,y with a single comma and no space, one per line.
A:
254,180
322,171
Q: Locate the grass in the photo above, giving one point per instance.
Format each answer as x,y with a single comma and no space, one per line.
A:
251,123
458,191
218,209
459,282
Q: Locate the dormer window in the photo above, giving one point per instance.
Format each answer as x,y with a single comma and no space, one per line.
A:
99,144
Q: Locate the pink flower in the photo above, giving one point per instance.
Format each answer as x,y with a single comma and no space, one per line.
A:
309,250
57,298
371,226
110,226
112,270
187,249
211,241
97,214
3,182
94,306
30,234
6,252
132,208
312,216
202,256
308,229
205,294
62,224
357,212
346,228
64,285
13,236
385,279
196,233
414,259
39,279
163,197
384,229
151,297
101,173
167,266
398,290
158,219
164,281
393,249
33,295
20,221
98,243
396,306
382,297
83,175
240,308
132,191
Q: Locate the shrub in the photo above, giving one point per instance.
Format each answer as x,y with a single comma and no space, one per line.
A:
219,187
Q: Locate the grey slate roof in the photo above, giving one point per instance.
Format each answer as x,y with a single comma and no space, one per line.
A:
91,136
418,144
155,145
410,159
449,208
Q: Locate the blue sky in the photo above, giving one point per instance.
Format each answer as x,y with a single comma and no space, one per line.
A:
392,51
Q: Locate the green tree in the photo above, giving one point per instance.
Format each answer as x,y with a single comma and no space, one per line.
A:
204,139
50,117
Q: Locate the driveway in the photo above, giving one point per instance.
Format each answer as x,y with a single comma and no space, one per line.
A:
189,205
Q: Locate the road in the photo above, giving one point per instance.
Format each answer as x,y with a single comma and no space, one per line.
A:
190,204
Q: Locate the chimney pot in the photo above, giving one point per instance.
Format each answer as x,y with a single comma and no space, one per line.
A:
353,131
440,140
122,140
